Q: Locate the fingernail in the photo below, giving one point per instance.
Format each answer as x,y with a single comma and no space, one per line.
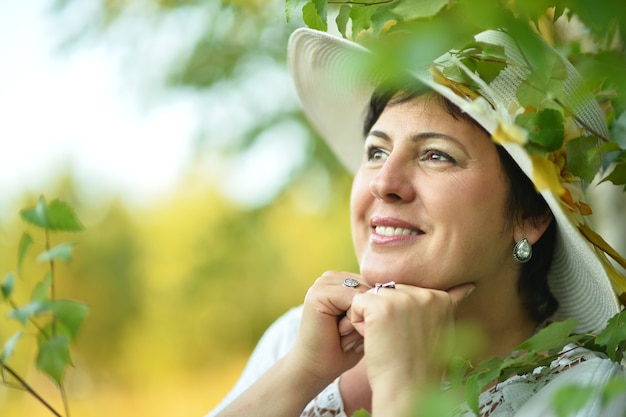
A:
469,292
359,348
348,346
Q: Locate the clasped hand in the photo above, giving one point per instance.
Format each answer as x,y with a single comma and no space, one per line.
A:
400,331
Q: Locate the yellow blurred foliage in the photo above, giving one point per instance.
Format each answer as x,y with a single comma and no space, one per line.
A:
179,293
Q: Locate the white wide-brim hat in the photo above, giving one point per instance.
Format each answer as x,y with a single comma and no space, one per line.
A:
335,92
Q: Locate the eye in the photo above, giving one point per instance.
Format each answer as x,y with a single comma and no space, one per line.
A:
375,154
437,156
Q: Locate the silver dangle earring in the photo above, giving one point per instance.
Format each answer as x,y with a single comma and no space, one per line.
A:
523,251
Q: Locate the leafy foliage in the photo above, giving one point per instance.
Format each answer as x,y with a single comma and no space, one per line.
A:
55,216
56,321
412,24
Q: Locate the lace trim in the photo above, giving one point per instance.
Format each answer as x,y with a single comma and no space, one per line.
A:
508,396
327,404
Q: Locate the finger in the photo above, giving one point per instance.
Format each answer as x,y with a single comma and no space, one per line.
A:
356,313
351,341
345,326
331,295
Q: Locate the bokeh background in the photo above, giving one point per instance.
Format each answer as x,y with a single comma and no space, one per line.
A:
210,206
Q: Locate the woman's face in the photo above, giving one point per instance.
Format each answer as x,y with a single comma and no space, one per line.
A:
428,202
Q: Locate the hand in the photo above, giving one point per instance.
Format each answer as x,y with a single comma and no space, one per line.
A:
327,344
404,331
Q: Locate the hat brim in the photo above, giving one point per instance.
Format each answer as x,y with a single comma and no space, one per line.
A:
335,95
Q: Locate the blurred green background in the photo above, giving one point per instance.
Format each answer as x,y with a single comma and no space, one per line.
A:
199,234
210,206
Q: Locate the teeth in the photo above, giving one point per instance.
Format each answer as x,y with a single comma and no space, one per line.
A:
394,231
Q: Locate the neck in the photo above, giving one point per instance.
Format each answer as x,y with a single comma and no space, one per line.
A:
498,326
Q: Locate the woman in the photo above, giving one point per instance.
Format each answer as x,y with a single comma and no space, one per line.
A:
447,229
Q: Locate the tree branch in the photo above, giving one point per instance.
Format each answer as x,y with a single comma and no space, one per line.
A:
29,389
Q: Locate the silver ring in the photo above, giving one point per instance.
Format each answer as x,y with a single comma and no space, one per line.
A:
350,283
379,285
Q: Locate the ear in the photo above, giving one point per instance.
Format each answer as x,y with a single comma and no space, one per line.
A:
532,229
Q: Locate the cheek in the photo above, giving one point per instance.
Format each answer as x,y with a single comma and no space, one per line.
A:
480,203
360,196
360,202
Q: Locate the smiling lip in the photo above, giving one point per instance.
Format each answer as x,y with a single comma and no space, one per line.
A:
389,230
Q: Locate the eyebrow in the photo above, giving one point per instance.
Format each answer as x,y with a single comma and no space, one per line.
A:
416,137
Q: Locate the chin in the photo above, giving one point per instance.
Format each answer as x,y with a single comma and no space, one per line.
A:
379,271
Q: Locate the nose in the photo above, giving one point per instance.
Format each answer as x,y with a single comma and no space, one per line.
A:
394,181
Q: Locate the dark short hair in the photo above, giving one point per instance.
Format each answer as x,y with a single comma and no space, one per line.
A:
524,203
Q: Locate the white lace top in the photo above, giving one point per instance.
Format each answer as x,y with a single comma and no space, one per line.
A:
520,396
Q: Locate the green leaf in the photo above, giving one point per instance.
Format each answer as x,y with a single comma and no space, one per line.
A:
342,19
8,284
36,215
435,403
544,82
549,73
454,73
617,175
551,129
613,389
529,96
544,128
56,216
61,252
488,60
54,357
607,147
581,157
23,314
41,291
457,369
25,243
63,218
618,128
472,392
312,17
486,372
550,338
491,52
290,6
381,16
361,19
489,70
416,9
571,398
9,347
70,315
361,413
612,335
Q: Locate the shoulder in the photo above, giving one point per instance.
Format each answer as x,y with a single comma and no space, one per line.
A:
281,335
273,345
277,340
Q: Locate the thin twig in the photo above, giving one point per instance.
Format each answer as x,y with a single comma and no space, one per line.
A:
52,292
373,3
30,390
578,119
33,322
